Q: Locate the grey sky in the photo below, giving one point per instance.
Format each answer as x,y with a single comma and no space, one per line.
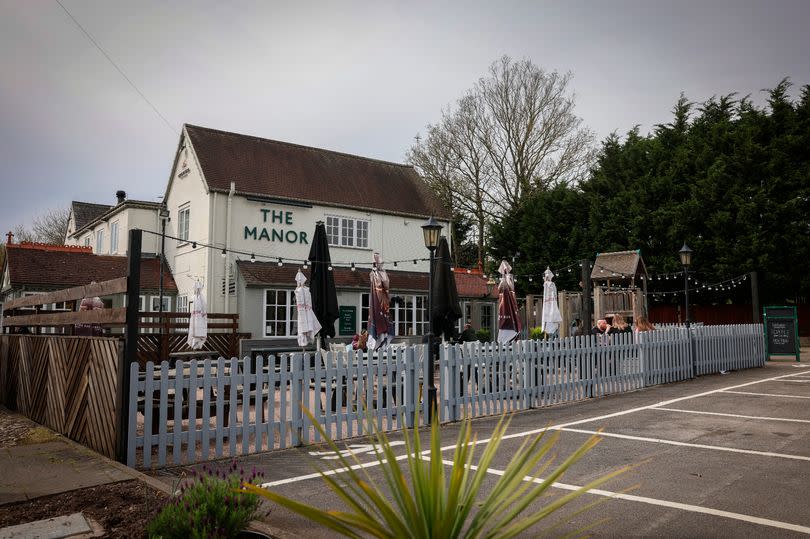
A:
361,78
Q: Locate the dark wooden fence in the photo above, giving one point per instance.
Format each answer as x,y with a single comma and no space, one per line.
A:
171,338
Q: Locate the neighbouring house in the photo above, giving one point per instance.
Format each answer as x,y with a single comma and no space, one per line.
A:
33,268
105,228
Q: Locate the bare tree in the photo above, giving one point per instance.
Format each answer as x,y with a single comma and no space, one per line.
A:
50,227
533,138
512,134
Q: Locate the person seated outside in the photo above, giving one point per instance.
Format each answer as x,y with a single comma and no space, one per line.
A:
359,342
643,324
619,325
468,335
601,327
576,328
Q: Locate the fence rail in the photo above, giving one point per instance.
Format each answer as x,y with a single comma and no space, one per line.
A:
205,409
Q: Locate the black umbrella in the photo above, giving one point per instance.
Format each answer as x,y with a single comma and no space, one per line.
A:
322,283
446,309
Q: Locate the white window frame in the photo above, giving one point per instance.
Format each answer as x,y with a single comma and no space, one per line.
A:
183,219
99,241
351,232
87,240
291,323
418,325
182,303
114,237
154,303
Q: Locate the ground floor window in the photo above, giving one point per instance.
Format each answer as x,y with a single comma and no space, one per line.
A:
487,318
409,314
280,315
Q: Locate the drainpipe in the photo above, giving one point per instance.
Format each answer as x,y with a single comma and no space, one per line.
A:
228,246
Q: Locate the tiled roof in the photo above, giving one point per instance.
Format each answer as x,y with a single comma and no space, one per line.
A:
269,273
474,285
85,212
622,263
288,171
109,211
38,266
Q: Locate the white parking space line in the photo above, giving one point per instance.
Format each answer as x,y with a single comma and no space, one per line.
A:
766,394
666,503
538,431
687,444
733,415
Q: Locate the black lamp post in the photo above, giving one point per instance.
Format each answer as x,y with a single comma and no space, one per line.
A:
431,230
164,216
686,259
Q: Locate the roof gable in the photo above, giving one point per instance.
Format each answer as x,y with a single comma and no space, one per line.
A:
86,212
618,265
282,170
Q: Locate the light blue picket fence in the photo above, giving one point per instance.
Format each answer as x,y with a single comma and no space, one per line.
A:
200,410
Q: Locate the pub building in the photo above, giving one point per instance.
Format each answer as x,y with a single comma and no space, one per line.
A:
240,212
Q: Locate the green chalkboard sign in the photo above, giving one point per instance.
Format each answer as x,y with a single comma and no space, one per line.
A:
781,331
347,321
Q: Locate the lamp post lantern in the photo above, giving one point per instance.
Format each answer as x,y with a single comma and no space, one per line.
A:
686,259
431,230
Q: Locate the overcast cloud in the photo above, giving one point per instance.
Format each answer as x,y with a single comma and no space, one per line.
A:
361,78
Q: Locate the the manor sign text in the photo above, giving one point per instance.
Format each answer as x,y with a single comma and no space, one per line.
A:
281,234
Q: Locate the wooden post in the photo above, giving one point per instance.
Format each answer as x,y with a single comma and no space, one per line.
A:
130,352
587,306
755,297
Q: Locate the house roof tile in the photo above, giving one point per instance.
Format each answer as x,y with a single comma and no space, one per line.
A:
622,263
40,266
282,170
85,212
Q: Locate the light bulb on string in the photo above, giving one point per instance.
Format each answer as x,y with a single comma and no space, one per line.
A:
193,244
353,268
395,263
330,267
280,263
224,253
252,257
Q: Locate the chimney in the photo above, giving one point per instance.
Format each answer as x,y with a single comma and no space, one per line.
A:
9,237
120,195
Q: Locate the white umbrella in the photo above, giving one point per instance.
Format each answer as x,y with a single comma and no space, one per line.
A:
308,324
198,321
551,311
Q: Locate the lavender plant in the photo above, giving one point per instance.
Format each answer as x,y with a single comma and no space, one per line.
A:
209,503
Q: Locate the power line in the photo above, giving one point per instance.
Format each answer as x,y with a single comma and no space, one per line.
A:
107,56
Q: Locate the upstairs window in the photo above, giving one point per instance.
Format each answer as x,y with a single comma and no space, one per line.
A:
183,216
99,242
347,232
114,238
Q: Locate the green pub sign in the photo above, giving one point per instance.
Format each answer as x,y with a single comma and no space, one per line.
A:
347,320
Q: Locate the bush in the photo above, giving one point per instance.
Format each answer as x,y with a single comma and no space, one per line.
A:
483,335
537,334
209,504
462,502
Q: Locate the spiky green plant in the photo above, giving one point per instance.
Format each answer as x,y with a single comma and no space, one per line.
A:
437,504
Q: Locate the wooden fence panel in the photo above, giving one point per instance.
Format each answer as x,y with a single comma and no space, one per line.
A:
67,384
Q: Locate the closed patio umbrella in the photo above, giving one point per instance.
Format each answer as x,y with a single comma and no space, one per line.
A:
551,311
322,284
508,314
308,324
380,328
446,308
198,321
